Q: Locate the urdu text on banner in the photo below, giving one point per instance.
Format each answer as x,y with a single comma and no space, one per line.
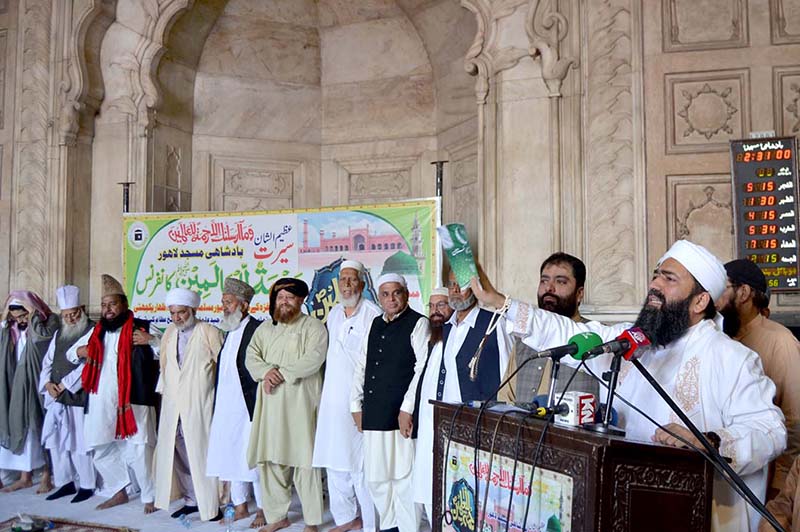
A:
199,250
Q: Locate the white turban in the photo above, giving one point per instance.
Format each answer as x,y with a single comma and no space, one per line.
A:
68,297
392,278
183,297
705,267
440,292
353,264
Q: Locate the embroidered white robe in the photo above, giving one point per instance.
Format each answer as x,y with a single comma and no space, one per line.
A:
719,383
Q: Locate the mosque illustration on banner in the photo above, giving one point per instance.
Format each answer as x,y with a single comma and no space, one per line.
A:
328,237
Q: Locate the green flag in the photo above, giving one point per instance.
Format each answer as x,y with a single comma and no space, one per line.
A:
456,245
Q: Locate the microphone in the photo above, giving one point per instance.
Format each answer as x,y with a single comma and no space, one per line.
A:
625,345
561,409
577,346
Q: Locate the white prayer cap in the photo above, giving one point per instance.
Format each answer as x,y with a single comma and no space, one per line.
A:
68,297
15,302
392,278
705,267
440,291
354,264
183,297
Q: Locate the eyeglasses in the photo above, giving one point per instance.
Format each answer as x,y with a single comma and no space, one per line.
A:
441,305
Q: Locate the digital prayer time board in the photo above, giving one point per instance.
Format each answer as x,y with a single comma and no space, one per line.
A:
764,175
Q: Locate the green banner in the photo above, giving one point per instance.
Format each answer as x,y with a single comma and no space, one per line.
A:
199,250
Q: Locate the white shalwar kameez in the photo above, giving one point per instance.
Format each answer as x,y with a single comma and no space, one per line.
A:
112,457
451,393
388,456
230,426
62,431
338,446
719,383
32,456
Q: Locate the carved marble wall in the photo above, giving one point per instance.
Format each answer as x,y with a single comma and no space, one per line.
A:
599,128
7,65
715,71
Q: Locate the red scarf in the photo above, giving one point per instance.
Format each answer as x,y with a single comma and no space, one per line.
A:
126,423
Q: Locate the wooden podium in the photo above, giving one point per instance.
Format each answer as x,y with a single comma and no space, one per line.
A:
617,485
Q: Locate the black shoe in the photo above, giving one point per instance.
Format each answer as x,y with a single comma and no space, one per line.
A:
218,517
186,510
63,491
82,495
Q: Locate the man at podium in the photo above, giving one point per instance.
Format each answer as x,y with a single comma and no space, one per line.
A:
718,383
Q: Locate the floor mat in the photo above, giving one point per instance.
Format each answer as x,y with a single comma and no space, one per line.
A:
65,525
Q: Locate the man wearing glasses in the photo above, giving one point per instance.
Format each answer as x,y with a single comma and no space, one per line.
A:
466,366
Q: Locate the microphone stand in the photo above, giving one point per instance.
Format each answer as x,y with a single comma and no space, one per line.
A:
712,451
551,392
606,427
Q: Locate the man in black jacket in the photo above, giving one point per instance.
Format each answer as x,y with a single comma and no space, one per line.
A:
235,401
382,402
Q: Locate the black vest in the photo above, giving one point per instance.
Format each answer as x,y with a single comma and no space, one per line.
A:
249,386
144,372
62,367
488,367
389,370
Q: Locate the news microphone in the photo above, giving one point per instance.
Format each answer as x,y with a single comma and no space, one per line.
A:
577,345
560,409
626,345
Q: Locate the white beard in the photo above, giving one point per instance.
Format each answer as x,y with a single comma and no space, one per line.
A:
464,304
232,321
352,301
188,324
73,332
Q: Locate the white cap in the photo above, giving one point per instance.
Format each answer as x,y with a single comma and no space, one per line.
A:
392,278
440,291
68,296
354,264
701,263
183,297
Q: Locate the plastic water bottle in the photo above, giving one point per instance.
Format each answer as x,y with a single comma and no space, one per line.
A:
228,517
184,521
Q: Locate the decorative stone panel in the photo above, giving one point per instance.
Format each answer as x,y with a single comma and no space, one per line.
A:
705,110
784,17
248,183
786,87
699,209
689,25
376,179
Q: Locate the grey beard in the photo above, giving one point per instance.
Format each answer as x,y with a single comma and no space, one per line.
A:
188,324
73,332
464,304
232,321
352,301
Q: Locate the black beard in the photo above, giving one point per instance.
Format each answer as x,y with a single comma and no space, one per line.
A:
564,306
21,326
114,323
732,323
666,324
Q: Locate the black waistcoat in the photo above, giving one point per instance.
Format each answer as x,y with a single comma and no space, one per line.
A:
144,372
249,386
489,365
389,370
62,367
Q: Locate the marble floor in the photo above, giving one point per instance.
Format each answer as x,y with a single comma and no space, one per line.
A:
130,515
